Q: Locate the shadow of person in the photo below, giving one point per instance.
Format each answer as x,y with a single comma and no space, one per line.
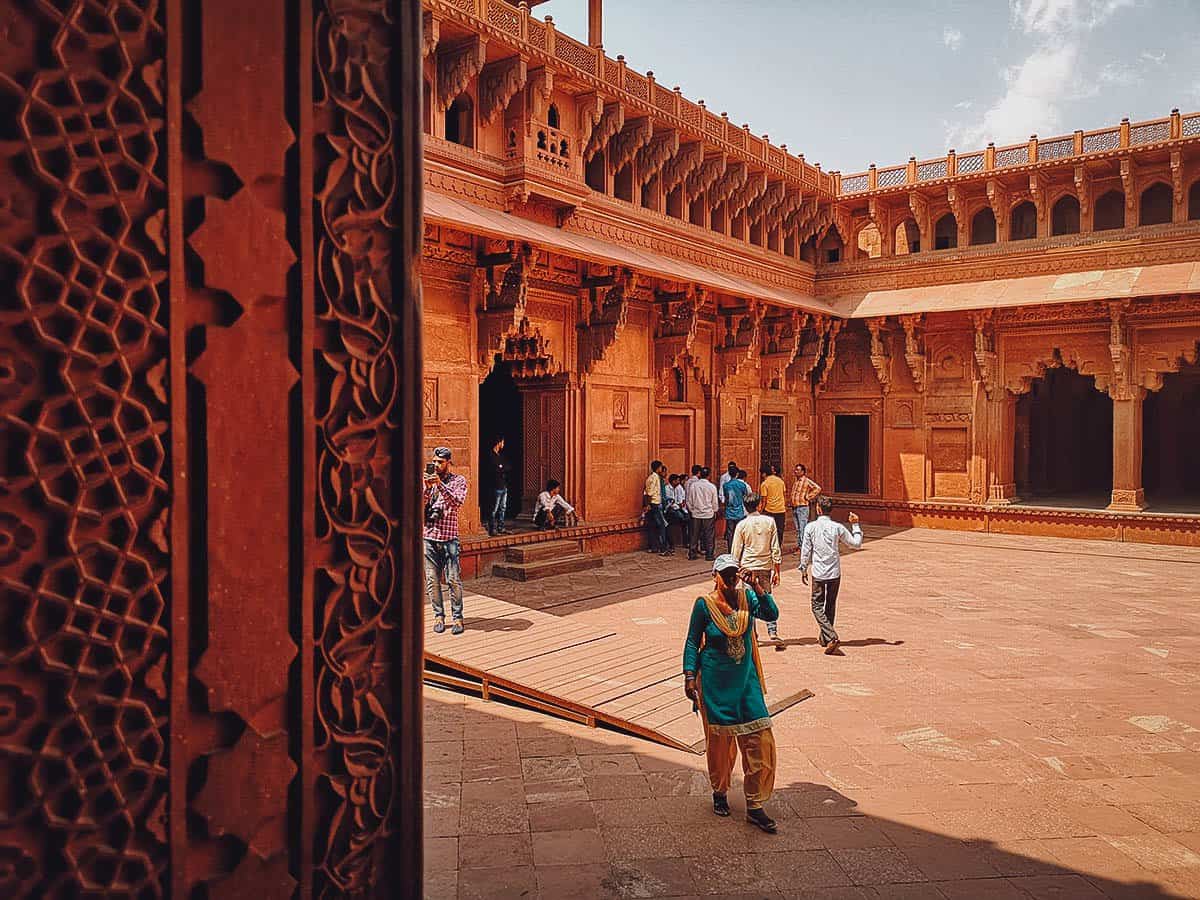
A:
812,642
497,624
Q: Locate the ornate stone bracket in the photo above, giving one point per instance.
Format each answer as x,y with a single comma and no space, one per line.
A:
919,205
914,349
456,66
734,178
612,120
1129,185
589,109
1177,187
755,187
628,141
1121,385
815,220
604,310
958,206
502,311
538,90
765,203
812,343
675,336
881,354
1083,193
987,360
681,165
705,175
498,82
782,347
1000,201
654,155
784,215
882,217
830,352
739,343
430,33
1037,193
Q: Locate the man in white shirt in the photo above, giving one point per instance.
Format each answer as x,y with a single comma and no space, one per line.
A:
756,548
727,476
820,550
703,503
552,507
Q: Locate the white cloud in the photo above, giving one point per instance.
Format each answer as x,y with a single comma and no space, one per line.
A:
952,37
1154,59
1052,73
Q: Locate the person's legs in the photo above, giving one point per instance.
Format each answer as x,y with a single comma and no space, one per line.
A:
819,594
761,583
780,525
660,529
800,514
722,753
758,766
730,528
454,579
694,542
499,510
433,578
831,595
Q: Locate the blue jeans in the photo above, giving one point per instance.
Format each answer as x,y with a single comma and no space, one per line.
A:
730,527
499,510
800,514
441,557
658,528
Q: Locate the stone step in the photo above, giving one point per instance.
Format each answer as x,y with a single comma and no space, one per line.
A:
528,571
526,553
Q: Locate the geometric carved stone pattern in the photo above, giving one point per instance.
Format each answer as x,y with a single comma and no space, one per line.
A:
84,558
356,193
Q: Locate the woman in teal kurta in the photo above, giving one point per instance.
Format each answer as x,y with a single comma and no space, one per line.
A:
723,676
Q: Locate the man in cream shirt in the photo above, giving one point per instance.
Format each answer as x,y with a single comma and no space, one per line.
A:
756,548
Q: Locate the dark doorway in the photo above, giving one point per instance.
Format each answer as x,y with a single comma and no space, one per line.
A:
1170,436
852,454
1067,459
770,432
501,414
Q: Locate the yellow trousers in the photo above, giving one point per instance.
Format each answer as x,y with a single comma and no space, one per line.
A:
758,764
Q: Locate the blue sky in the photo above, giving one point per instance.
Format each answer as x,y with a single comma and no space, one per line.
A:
850,84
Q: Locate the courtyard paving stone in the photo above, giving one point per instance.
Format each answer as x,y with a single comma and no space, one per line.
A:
1013,718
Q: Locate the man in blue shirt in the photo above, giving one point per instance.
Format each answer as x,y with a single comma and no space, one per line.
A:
820,550
735,491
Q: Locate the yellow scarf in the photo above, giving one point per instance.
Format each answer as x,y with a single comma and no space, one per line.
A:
735,625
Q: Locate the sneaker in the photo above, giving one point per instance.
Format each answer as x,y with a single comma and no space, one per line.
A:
832,649
759,819
779,644
439,624
721,805
458,627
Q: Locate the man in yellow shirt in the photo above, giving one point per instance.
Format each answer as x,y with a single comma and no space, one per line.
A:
774,500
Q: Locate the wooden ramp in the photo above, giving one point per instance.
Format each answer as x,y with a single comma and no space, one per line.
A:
580,672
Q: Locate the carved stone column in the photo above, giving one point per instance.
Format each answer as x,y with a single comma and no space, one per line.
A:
1001,444
1127,493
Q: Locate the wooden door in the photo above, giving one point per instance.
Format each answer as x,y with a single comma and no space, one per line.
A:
675,442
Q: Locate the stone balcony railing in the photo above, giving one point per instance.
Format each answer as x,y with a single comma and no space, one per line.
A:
1077,146
541,42
1048,249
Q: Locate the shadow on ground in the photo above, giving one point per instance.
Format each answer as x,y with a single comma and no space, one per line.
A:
522,806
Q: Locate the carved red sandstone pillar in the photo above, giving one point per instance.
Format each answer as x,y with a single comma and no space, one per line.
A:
1001,445
1127,492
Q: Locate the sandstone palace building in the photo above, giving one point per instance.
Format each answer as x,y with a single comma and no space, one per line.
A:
1001,338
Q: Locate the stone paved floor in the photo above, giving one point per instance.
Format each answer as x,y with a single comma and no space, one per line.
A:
1013,718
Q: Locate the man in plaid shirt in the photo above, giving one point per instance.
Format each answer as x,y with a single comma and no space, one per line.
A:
443,496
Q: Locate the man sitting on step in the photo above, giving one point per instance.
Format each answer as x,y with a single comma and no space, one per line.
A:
553,510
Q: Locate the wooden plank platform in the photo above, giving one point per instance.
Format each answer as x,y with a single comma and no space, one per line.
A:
566,668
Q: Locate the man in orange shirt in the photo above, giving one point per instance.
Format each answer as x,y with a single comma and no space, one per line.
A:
804,491
774,498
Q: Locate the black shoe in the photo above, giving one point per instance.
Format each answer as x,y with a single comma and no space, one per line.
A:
693,556
759,819
721,805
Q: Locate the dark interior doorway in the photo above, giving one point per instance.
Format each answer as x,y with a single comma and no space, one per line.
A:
501,413
852,454
1067,458
1170,436
770,435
